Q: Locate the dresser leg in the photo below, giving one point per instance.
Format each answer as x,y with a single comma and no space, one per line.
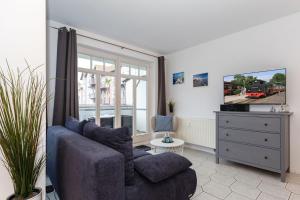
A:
217,160
283,176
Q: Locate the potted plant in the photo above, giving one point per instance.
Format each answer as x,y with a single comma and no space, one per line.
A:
22,106
171,106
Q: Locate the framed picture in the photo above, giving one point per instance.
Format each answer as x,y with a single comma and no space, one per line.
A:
178,78
200,80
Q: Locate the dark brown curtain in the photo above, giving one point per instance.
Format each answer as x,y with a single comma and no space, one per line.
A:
161,103
66,94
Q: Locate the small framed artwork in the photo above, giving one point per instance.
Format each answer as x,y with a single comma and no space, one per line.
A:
178,78
200,80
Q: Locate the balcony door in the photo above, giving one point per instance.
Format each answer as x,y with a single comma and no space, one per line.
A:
97,89
113,91
134,96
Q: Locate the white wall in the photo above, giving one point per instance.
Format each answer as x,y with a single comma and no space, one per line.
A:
51,59
268,46
22,36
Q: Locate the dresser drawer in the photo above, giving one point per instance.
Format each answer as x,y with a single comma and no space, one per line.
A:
250,123
250,154
250,137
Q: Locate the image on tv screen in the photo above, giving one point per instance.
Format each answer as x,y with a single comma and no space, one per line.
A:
265,87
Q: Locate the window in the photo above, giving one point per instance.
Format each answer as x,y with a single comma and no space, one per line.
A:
133,70
141,106
84,61
98,64
86,95
113,91
109,66
125,69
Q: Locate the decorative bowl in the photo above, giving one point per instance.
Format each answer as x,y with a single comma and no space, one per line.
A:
167,139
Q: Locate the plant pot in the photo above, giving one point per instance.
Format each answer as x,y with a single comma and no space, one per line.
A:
37,195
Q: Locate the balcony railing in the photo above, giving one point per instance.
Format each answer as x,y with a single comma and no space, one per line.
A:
107,116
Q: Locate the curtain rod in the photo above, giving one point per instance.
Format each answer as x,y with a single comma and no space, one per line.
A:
110,43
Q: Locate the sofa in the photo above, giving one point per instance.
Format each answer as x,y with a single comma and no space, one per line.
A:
83,169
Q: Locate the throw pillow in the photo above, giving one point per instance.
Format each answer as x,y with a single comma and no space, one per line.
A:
118,139
163,123
159,167
75,125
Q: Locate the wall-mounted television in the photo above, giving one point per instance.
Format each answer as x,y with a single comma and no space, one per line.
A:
264,87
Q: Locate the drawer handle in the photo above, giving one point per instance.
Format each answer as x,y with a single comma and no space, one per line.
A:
266,139
227,149
266,124
227,121
227,134
266,157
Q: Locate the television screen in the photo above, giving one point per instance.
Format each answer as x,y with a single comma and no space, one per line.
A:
265,87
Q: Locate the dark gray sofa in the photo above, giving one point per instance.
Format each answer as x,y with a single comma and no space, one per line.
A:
82,169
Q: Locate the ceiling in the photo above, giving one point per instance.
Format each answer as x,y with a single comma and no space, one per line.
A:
165,26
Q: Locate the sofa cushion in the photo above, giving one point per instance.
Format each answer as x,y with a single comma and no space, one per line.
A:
89,127
160,167
178,187
75,125
163,123
118,139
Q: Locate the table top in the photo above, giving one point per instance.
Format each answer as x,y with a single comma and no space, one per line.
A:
158,142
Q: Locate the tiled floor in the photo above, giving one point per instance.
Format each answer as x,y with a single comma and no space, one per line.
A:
232,181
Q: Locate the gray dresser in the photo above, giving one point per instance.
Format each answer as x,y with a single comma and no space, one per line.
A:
259,139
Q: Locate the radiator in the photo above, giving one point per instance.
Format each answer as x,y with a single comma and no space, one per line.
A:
197,131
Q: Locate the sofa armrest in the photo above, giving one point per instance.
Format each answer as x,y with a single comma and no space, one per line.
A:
54,133
89,170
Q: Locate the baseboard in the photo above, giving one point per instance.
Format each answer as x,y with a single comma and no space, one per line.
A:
199,148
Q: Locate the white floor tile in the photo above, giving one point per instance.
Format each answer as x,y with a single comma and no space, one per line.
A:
198,191
293,187
227,170
249,179
274,190
204,171
265,196
222,179
295,197
205,196
245,190
235,196
272,179
217,190
202,179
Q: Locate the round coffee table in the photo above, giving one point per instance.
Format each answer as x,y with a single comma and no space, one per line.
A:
178,144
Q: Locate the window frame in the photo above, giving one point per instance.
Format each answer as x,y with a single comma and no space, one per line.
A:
118,59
